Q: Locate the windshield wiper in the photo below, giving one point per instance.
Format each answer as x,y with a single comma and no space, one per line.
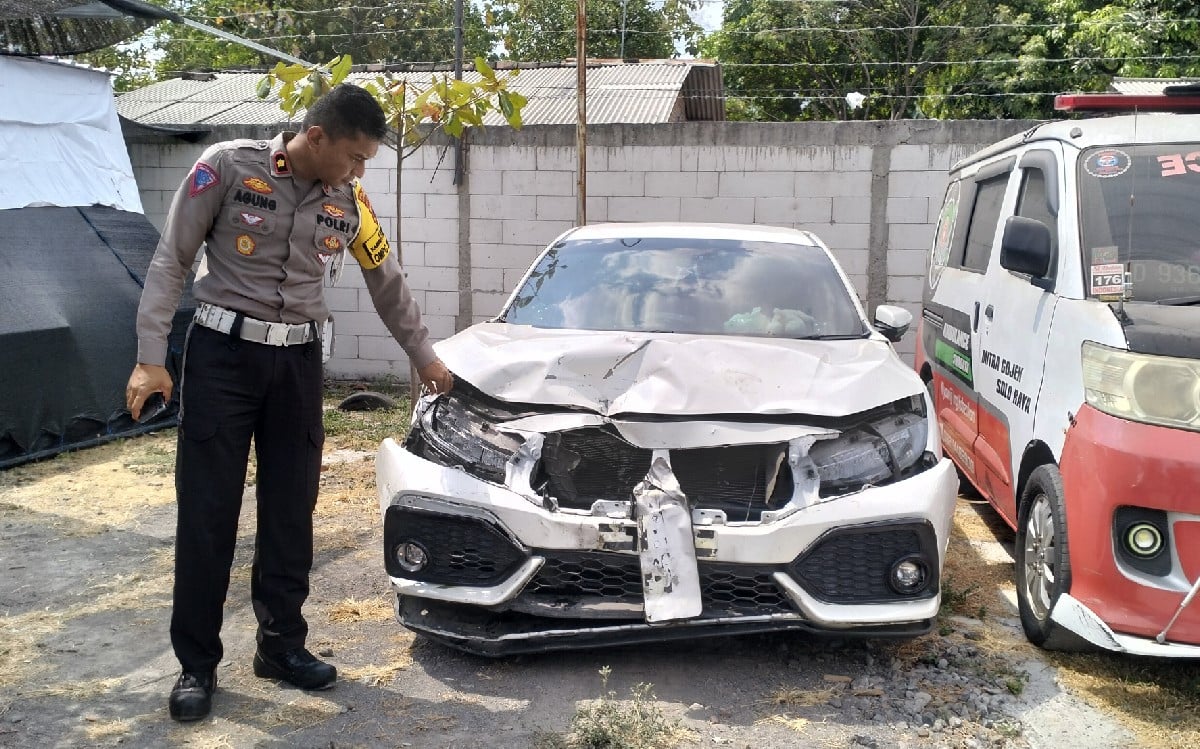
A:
832,337
1180,301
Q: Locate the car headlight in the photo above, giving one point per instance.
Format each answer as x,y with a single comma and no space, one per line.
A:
457,436
874,452
1141,387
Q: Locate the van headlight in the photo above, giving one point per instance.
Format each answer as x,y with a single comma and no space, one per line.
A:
455,435
1151,389
877,451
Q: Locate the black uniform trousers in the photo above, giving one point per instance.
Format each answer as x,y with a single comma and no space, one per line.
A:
230,391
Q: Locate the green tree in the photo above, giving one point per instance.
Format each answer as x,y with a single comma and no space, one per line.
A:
371,31
934,58
545,30
128,63
800,60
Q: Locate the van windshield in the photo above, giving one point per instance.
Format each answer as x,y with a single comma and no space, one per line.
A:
1139,206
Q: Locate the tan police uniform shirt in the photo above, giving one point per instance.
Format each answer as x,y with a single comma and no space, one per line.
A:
269,238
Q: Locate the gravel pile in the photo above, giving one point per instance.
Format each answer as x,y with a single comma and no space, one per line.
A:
949,691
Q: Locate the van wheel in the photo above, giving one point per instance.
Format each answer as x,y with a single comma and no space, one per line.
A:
1043,561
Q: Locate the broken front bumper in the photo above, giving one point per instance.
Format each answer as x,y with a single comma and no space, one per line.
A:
491,572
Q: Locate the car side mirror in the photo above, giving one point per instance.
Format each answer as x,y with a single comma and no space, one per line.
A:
1026,247
892,321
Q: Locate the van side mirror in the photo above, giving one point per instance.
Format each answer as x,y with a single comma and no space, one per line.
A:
1026,247
892,321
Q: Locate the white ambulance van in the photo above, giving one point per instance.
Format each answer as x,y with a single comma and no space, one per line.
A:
1060,340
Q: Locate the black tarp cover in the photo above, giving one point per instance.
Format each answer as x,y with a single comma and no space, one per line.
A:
70,280
69,27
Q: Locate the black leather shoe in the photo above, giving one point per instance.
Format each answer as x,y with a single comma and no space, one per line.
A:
297,667
191,697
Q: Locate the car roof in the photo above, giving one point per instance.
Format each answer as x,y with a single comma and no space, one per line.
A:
693,230
1148,127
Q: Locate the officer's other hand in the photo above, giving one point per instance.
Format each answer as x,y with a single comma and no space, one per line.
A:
146,380
435,377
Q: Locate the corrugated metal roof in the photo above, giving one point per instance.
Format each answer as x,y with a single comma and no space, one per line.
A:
1144,86
636,92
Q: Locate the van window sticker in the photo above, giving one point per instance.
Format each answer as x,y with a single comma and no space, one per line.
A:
1105,254
1107,163
1176,164
1107,278
945,234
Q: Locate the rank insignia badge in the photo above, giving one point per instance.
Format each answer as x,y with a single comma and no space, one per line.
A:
279,163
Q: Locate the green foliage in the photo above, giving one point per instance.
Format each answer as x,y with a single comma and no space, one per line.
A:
545,30
370,31
449,104
128,64
940,58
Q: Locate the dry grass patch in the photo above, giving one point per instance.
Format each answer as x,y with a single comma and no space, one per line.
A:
351,610
19,650
82,691
102,730
397,658
91,491
1157,699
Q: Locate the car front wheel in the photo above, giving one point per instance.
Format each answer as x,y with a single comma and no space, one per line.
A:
1043,561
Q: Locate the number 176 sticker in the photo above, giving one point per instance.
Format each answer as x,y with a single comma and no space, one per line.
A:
1108,278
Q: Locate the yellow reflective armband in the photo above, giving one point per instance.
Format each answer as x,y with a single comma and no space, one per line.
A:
369,246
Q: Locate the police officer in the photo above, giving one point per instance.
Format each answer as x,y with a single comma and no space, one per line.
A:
272,215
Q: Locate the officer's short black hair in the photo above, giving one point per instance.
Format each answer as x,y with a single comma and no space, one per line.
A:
346,111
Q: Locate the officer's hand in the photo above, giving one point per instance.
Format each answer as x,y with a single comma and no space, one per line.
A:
146,380
435,377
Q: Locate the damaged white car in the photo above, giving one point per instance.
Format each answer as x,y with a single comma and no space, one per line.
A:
670,430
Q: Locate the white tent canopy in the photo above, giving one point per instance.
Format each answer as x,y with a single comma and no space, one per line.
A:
60,138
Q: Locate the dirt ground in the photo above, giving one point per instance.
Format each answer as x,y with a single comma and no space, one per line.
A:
86,557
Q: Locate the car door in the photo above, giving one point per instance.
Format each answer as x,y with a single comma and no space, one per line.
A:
958,264
1013,332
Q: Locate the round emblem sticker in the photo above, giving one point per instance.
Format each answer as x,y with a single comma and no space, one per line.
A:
1107,162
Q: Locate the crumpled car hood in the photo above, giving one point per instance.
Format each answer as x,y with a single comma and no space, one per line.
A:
614,373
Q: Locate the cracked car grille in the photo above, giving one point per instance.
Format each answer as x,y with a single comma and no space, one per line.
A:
585,465
726,589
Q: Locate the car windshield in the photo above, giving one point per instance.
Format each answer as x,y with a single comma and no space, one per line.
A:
1137,207
701,286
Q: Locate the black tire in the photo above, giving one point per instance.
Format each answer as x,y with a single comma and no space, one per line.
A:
1044,561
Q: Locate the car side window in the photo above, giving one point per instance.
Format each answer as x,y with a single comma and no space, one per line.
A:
1032,202
985,215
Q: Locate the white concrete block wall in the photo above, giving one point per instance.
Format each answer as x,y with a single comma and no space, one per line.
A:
521,194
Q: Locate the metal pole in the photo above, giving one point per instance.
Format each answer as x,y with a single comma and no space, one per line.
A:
458,71
244,42
581,107
623,4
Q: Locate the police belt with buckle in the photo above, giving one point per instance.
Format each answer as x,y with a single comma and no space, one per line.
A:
257,331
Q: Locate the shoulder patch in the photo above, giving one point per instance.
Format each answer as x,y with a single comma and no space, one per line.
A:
203,177
369,246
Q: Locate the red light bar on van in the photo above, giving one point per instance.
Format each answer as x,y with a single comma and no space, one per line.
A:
1126,103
